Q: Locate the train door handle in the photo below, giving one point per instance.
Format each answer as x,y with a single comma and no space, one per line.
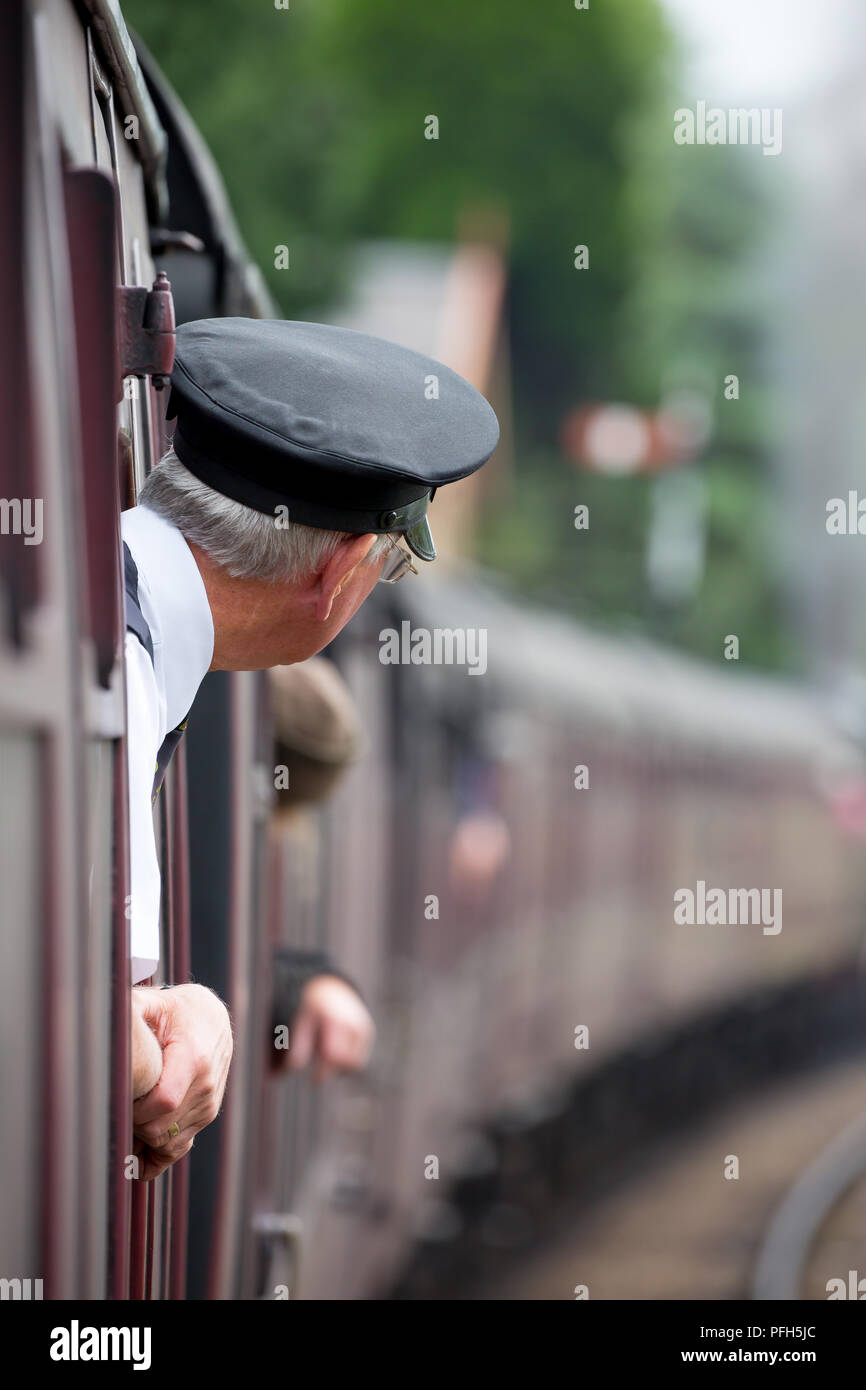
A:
282,1235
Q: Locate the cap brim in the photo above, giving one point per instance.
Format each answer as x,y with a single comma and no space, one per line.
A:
419,538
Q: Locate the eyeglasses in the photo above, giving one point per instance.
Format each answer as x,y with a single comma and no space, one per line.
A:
397,563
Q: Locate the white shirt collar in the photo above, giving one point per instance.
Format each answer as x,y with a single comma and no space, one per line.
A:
173,599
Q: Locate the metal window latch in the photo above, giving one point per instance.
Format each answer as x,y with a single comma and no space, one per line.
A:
146,330
280,1236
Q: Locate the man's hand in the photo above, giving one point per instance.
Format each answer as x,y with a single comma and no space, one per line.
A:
193,1029
332,1027
146,1051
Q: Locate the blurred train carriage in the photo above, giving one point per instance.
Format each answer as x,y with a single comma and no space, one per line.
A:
486,905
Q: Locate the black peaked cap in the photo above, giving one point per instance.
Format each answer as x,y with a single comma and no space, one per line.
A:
348,431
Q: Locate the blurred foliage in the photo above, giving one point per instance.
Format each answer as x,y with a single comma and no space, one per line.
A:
555,129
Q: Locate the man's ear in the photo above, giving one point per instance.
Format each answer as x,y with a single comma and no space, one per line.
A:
338,571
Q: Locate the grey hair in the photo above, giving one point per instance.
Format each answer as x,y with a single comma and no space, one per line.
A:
246,543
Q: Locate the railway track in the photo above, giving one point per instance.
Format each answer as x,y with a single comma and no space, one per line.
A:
680,1230
815,1246
667,1178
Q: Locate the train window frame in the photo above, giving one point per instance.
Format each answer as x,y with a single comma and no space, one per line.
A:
102,110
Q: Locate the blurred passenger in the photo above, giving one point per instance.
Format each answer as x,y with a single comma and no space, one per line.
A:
479,850
317,736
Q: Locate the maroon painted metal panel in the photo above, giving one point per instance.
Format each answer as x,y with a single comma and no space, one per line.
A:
177,1198
224,1229
91,214
119,1186
19,579
91,210
138,1244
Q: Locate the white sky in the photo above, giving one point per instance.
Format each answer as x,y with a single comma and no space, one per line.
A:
766,51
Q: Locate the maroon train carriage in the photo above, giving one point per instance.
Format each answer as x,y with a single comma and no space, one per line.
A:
553,903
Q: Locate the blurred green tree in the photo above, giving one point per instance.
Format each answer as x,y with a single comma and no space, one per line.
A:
555,124
317,117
